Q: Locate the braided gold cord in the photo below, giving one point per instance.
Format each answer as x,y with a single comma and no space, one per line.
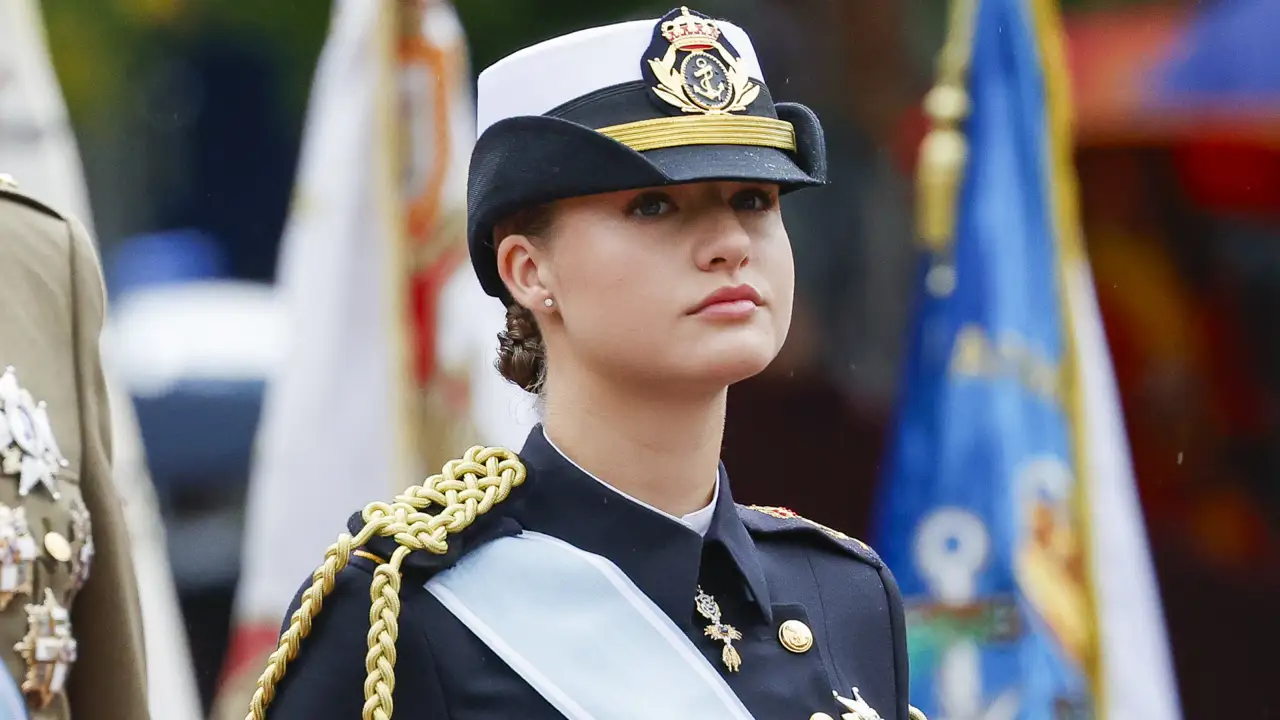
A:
464,490
384,628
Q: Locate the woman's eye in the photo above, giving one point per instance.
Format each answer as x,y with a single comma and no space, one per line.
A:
753,201
652,205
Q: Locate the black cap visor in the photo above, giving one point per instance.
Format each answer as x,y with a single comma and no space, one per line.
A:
526,161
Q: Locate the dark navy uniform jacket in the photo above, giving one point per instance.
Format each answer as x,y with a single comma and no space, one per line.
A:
762,570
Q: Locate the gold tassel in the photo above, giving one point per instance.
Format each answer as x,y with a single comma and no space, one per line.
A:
942,159
731,658
944,151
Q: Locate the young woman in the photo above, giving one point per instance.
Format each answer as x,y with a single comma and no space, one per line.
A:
624,206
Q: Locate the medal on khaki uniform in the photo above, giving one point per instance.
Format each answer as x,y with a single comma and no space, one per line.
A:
28,449
29,452
81,532
17,555
49,650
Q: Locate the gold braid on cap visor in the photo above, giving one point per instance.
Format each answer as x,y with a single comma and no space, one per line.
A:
668,132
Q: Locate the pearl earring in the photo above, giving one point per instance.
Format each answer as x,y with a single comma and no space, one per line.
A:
549,302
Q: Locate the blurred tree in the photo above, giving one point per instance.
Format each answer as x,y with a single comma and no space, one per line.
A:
94,45
135,74
100,48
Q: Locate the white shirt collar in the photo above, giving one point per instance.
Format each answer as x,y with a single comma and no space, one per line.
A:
699,520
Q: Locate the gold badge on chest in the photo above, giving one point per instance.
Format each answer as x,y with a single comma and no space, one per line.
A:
718,631
28,450
49,650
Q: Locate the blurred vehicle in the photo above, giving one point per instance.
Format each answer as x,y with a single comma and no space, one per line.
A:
193,351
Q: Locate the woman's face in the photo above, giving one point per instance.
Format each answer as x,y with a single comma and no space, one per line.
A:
689,285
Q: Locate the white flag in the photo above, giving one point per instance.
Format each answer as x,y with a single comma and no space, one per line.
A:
337,429
1138,680
1134,677
38,148
327,441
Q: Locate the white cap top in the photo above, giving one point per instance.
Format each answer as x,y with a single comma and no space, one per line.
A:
545,76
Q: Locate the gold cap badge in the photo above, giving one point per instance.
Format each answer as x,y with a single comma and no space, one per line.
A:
699,72
691,66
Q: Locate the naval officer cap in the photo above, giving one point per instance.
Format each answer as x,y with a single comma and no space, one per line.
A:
636,104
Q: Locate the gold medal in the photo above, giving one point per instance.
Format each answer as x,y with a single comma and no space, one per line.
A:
710,609
18,553
49,650
28,450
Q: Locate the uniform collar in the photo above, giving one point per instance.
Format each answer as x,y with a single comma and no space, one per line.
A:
699,520
660,554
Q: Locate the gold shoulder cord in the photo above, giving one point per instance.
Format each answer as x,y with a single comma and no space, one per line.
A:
464,490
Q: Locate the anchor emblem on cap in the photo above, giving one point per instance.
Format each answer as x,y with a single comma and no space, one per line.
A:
699,72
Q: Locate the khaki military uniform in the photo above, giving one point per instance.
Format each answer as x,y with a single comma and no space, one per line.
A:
70,629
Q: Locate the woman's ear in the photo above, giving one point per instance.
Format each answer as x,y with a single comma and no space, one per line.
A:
518,267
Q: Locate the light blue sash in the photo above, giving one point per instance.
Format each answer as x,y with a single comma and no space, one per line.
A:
12,704
582,634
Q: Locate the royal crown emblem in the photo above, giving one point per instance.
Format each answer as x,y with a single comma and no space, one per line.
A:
699,70
691,32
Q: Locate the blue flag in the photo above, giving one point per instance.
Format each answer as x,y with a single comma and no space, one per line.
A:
979,517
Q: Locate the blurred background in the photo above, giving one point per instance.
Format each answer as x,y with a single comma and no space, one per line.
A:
189,117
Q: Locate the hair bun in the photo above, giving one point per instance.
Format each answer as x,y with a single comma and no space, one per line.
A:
521,355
